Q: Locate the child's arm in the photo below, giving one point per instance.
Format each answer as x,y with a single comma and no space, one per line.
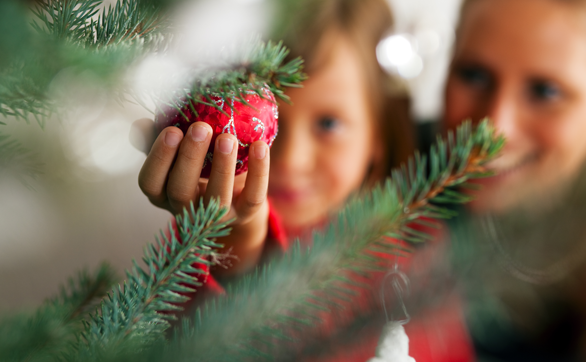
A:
170,179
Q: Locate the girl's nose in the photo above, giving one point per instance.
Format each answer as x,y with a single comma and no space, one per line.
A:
293,151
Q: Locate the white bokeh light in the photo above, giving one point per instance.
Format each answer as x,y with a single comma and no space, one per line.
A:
395,50
428,41
110,150
412,68
398,54
102,148
212,31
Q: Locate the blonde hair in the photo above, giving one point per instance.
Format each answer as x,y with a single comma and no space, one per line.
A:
364,23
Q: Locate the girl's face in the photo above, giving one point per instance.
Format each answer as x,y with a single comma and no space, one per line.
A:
523,64
326,141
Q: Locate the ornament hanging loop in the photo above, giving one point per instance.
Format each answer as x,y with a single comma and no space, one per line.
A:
400,284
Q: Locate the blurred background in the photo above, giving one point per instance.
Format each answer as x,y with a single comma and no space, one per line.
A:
84,205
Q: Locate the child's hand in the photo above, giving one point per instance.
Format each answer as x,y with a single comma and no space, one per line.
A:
170,179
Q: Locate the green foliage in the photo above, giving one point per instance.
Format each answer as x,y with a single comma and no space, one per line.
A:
268,315
144,304
74,21
265,312
67,35
126,21
260,66
77,35
52,329
66,19
17,160
83,36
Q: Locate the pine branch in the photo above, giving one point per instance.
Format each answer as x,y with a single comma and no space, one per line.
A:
289,295
260,66
51,331
69,19
67,37
77,36
81,295
17,160
126,21
138,311
274,310
74,21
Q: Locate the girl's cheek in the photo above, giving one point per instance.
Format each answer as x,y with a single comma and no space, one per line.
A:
349,157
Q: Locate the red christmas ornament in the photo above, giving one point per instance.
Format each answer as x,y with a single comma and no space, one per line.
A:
248,124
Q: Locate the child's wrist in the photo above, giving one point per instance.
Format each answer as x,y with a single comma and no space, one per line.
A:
246,243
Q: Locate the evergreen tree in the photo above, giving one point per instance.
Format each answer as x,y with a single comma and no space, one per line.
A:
265,315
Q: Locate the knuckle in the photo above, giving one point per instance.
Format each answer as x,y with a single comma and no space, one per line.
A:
158,202
189,156
148,188
224,171
178,196
254,202
259,174
160,156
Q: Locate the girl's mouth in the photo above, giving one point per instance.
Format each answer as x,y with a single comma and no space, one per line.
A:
288,195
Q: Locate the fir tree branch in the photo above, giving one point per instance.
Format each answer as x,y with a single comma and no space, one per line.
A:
81,295
74,20
124,22
259,67
16,160
77,35
51,331
69,19
270,307
138,311
274,310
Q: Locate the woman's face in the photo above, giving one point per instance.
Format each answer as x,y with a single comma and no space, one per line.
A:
326,141
523,64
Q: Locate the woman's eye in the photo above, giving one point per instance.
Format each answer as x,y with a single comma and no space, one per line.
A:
540,90
475,76
328,124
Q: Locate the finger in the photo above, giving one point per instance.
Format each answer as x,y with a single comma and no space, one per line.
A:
254,194
182,186
153,175
142,134
223,167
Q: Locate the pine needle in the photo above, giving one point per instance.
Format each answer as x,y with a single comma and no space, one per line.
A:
138,311
52,330
266,305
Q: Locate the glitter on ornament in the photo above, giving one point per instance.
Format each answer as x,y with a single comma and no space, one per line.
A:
247,123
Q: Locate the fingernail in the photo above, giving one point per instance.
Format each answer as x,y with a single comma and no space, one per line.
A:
260,151
226,145
172,139
199,133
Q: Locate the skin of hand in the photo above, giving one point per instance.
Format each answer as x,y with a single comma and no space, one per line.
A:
170,179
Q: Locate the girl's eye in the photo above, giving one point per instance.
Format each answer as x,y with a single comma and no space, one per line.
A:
541,90
327,124
475,76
